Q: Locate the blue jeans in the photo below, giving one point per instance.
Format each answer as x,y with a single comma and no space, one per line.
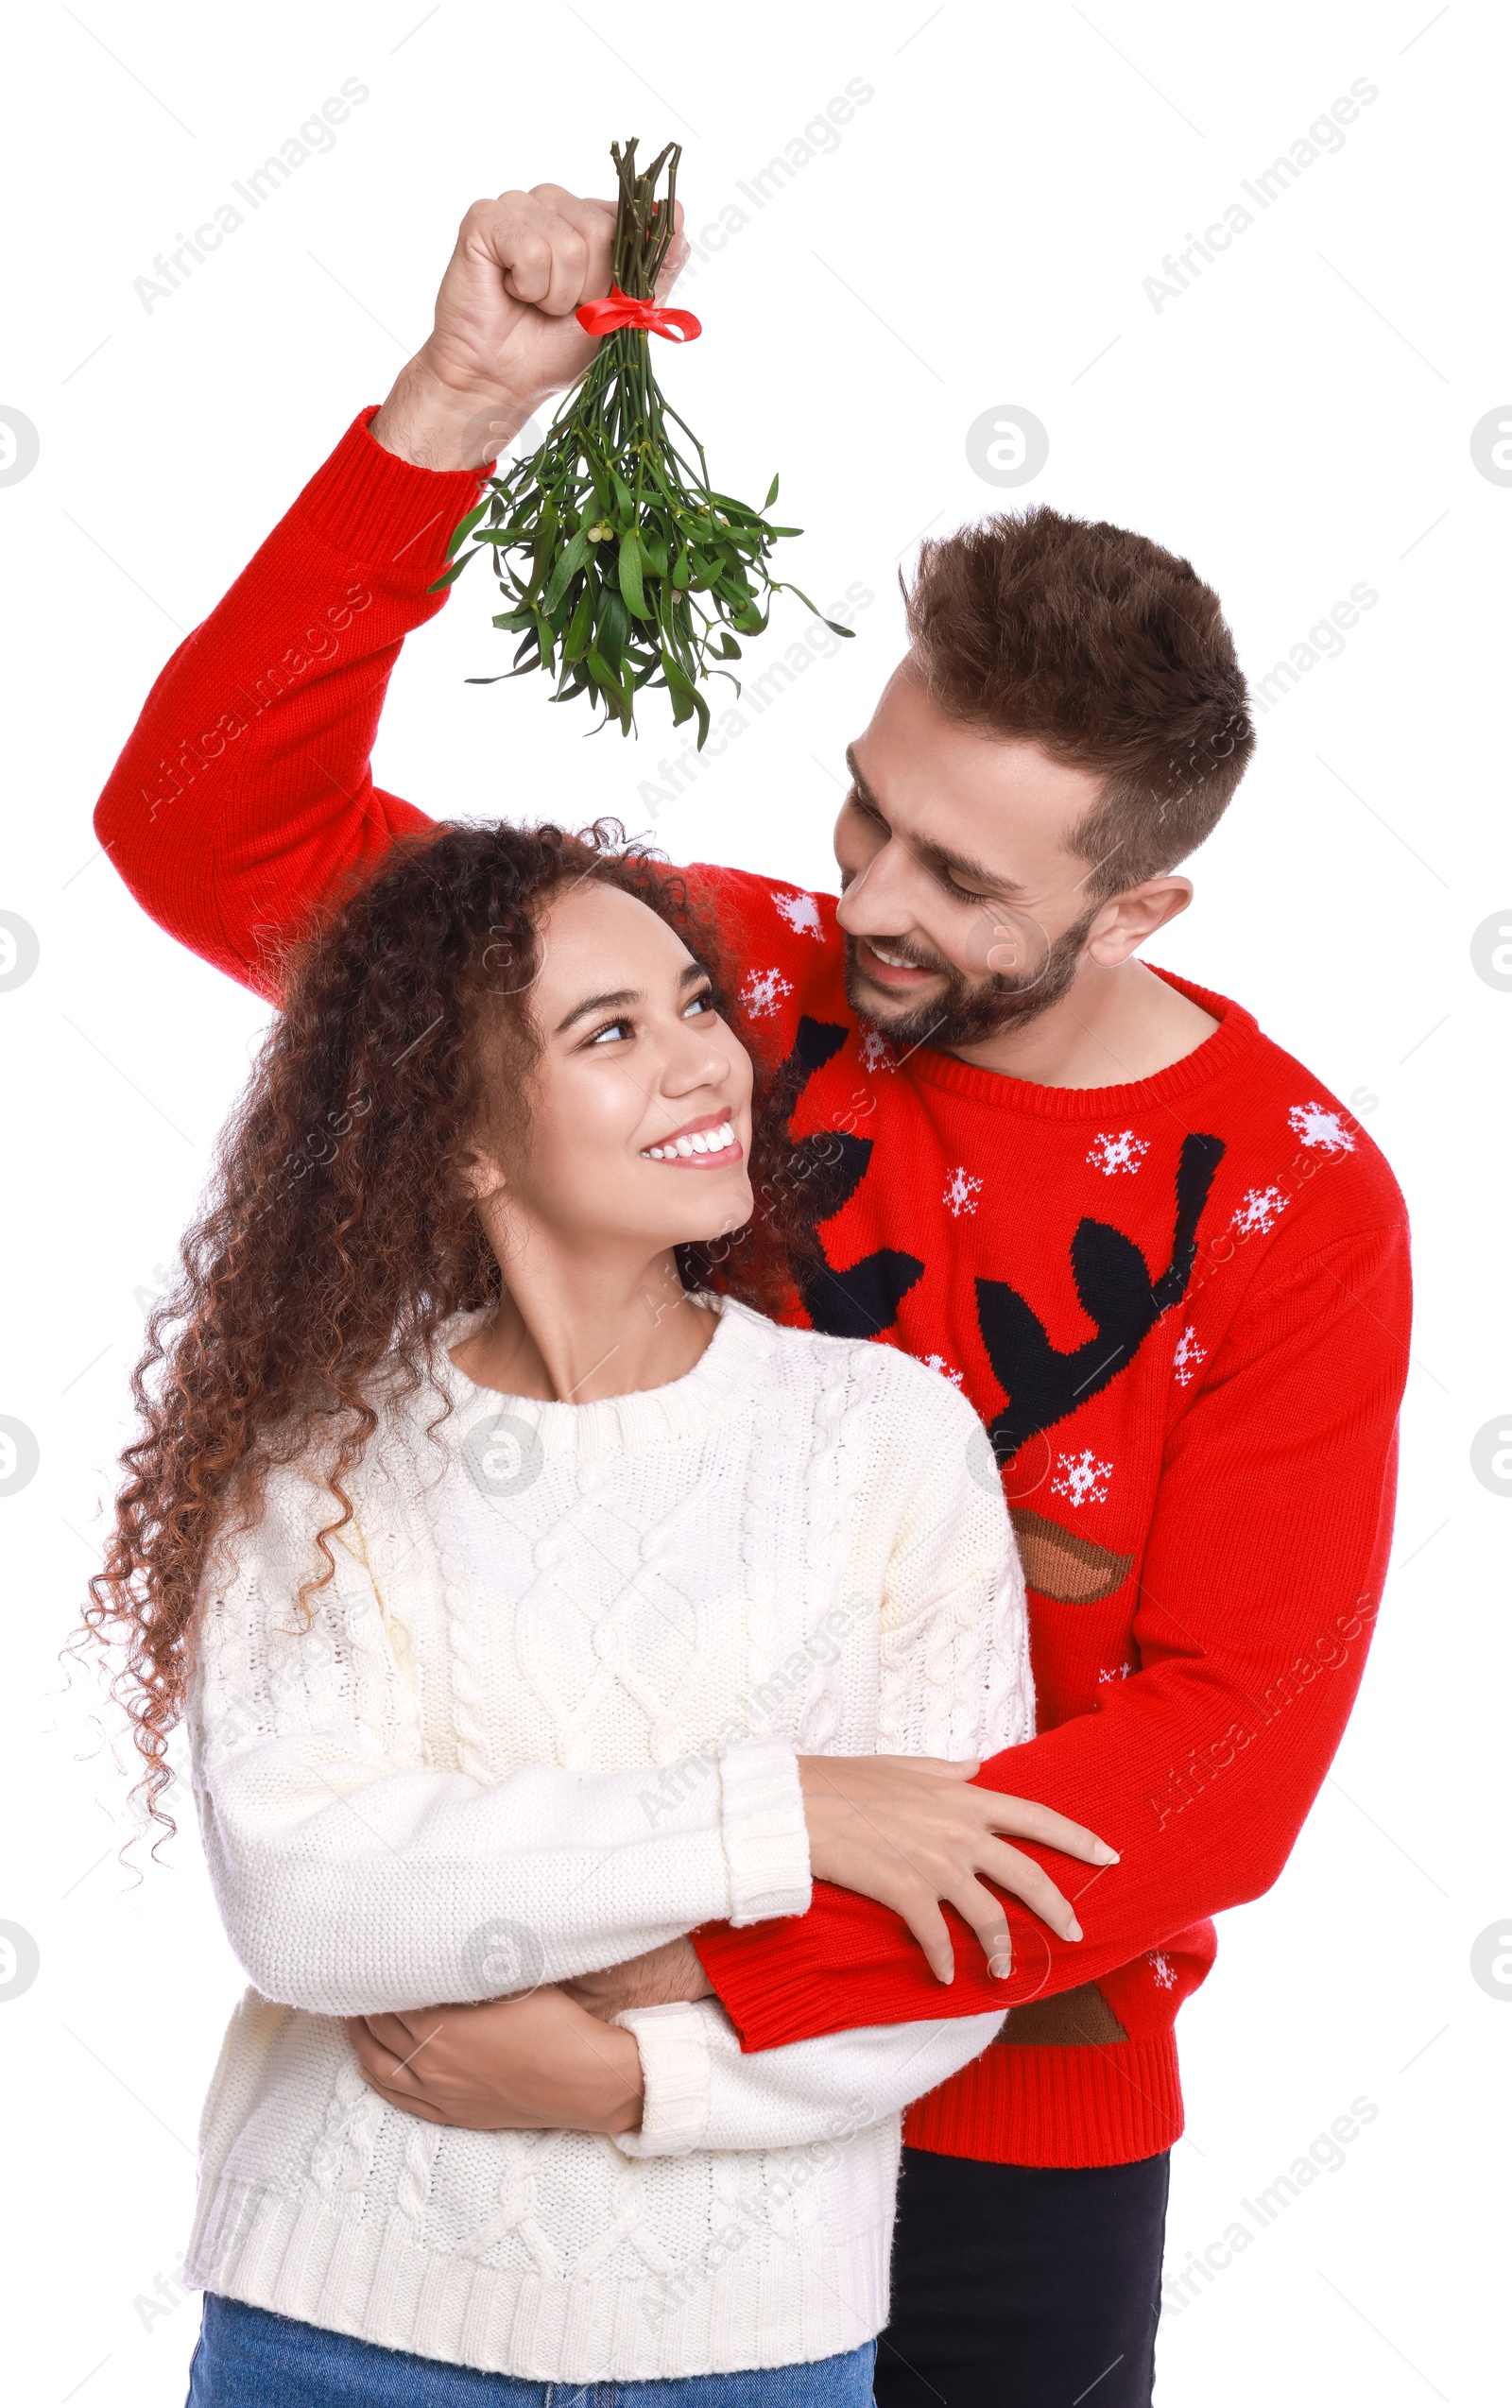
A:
249,2358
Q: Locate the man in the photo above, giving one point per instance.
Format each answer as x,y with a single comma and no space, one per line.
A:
1167,1266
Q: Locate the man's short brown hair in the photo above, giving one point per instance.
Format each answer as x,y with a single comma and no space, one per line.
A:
1108,653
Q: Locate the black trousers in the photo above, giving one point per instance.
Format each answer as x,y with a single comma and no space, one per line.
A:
1023,2286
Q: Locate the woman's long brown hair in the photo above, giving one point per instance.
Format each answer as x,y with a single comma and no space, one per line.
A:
336,1236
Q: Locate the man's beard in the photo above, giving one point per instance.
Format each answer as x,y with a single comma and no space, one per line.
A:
969,1009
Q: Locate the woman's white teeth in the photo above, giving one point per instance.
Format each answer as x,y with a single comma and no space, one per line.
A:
706,1141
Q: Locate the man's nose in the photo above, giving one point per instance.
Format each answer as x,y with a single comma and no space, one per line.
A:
872,903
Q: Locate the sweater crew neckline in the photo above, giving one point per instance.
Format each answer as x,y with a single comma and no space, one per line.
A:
1214,1058
606,1426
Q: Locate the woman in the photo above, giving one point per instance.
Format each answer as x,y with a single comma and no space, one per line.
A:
505,1568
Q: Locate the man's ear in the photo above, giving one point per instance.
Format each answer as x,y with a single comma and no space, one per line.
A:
1126,921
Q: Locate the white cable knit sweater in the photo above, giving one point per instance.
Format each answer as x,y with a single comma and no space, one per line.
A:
547,1716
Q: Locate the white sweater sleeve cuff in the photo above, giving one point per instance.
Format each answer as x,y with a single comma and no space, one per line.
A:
766,1836
673,2045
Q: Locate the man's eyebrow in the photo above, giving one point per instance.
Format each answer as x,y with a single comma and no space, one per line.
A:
855,767
616,998
939,859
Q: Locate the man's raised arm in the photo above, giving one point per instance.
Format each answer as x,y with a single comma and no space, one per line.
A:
245,793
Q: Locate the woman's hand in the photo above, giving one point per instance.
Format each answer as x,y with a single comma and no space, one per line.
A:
506,338
538,2063
909,1831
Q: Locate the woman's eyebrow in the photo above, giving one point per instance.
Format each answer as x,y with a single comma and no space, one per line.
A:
621,996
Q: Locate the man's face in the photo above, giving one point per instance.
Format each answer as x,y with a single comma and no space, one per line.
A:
964,912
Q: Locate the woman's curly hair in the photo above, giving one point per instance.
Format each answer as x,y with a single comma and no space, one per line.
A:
337,1235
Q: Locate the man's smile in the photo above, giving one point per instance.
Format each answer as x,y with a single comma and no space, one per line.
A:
889,968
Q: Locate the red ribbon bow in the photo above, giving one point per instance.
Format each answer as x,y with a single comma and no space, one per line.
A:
604,317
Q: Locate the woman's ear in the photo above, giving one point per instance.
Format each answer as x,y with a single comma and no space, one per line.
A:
480,1177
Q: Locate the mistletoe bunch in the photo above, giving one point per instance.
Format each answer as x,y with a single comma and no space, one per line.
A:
621,565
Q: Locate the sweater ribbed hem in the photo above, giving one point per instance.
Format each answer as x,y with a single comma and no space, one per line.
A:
762,2307
765,1831
380,510
673,2045
1102,2105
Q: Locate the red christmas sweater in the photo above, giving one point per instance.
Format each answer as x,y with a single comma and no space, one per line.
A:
1180,1307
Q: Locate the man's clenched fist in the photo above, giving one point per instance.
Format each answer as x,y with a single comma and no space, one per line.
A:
506,338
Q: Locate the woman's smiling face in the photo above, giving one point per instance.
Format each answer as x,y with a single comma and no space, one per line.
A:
640,1102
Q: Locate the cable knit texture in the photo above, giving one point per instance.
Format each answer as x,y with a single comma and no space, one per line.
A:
546,1715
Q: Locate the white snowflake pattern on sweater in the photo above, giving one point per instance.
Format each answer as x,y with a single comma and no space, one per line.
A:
1080,1477
1163,1971
1259,1210
1187,1356
961,1191
763,991
801,914
1114,1151
946,1371
1317,1126
875,1050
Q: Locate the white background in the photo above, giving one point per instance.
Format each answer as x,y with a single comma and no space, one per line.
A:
1297,423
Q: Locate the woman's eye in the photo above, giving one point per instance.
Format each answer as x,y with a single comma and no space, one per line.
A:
704,1003
611,1030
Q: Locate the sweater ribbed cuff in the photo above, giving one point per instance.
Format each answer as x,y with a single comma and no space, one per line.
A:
383,511
673,2045
766,1836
